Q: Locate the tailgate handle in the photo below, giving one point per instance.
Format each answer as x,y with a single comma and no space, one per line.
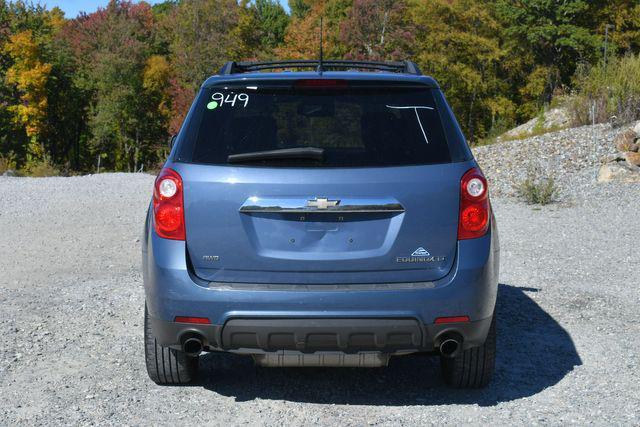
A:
320,205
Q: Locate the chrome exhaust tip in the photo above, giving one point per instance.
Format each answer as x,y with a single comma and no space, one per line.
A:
450,347
192,346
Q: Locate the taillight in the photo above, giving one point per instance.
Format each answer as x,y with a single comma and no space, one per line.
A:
474,205
168,205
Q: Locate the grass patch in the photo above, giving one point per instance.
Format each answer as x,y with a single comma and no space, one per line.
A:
485,141
608,92
536,131
8,163
40,169
536,189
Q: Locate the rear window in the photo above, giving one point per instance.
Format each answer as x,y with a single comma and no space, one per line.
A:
355,126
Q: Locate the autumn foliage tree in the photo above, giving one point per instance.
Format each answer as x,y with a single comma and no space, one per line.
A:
29,75
29,70
201,34
466,55
377,30
109,87
302,39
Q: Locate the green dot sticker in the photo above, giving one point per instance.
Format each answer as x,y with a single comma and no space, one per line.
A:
212,105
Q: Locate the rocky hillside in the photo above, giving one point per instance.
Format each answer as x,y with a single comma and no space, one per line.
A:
552,120
575,158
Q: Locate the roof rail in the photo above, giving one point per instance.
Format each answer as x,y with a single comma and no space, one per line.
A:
406,67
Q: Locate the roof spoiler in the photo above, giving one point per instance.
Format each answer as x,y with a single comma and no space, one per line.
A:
405,67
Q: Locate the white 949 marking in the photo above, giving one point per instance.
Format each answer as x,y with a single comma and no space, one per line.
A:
231,98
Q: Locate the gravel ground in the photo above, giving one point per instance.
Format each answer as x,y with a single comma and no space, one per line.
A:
71,305
572,157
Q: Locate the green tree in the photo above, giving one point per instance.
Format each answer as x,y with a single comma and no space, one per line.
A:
7,142
66,113
458,43
112,47
260,28
162,9
272,22
546,40
623,19
248,41
202,39
299,8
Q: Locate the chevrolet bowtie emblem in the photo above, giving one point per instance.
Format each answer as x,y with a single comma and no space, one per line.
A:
322,203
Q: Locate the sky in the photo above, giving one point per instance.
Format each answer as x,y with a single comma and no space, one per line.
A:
73,7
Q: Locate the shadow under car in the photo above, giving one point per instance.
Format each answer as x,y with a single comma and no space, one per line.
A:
533,352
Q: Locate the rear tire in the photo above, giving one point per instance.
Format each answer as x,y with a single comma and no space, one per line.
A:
472,368
166,365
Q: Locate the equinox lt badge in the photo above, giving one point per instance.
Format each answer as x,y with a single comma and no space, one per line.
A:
420,255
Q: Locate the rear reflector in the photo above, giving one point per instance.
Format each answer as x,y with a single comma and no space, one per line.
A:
454,319
196,320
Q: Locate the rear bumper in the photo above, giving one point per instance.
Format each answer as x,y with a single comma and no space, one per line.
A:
311,335
390,318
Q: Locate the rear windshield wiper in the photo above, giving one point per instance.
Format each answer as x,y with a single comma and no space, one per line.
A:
311,153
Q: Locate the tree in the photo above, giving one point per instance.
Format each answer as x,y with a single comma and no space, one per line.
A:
112,46
202,39
377,30
29,75
548,39
623,19
117,81
299,8
302,39
458,43
260,28
272,22
162,9
7,142
156,82
26,69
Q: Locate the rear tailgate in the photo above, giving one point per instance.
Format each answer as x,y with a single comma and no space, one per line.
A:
377,202
414,243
